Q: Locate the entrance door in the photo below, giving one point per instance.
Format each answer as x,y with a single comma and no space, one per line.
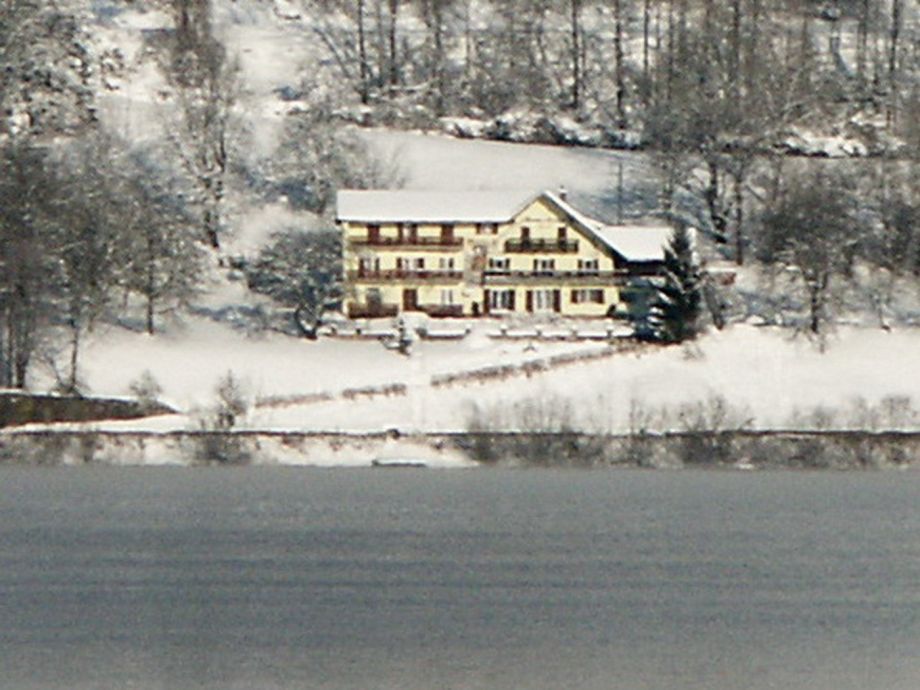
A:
410,299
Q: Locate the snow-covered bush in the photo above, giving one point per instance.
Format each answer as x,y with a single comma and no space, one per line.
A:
146,389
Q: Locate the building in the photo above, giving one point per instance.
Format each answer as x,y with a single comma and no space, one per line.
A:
487,253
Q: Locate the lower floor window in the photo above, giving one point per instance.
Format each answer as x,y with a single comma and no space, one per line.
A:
501,299
544,300
588,296
447,297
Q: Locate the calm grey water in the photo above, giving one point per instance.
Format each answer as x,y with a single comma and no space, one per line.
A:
286,578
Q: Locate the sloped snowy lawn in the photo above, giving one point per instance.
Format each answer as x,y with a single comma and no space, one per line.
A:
764,375
188,362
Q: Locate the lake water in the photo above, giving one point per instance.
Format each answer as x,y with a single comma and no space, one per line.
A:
303,578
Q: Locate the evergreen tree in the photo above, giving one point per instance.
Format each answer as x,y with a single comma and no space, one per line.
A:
675,315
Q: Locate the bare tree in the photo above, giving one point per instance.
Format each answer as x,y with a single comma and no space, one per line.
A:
813,235
302,271
28,270
206,81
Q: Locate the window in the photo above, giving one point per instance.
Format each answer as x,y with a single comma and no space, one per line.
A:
588,296
447,297
373,234
543,300
368,265
544,266
499,264
588,266
486,228
446,263
405,264
413,233
501,300
525,234
562,234
447,233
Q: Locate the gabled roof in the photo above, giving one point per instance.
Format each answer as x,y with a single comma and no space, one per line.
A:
634,243
631,243
402,206
637,243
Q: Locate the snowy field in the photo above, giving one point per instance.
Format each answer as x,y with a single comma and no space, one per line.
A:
767,378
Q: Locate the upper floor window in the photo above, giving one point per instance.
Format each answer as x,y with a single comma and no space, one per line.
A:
588,265
446,263
562,234
499,263
373,234
544,265
447,233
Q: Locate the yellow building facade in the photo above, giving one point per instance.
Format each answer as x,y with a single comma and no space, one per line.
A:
475,254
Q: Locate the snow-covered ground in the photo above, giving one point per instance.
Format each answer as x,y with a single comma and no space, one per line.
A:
767,378
764,374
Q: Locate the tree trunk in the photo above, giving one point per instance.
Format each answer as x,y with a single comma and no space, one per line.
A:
739,214
575,6
620,73
362,55
735,60
439,57
74,355
394,67
646,35
862,39
893,61
307,327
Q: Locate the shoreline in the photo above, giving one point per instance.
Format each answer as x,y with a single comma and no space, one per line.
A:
737,450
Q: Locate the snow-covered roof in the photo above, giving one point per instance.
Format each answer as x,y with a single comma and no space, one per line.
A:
378,206
632,242
637,242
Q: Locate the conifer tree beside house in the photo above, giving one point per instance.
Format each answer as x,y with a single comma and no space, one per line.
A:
675,313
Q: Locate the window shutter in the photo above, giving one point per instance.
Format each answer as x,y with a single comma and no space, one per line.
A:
486,301
557,300
530,300
512,294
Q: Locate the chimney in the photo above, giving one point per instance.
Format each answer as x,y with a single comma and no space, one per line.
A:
563,193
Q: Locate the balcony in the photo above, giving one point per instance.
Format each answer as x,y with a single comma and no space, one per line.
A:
372,311
554,277
405,275
524,245
408,242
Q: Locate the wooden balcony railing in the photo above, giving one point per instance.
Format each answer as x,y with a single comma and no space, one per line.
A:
442,310
406,274
372,311
532,246
570,277
422,242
